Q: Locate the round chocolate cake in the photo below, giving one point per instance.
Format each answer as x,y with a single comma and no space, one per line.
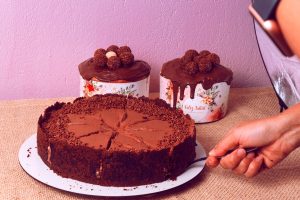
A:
115,140
198,84
114,70
195,68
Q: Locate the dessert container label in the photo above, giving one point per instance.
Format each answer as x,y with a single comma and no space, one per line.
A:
207,106
136,89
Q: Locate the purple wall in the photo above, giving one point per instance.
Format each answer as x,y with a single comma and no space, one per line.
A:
42,42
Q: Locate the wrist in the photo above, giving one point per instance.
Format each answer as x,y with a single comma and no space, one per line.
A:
292,139
288,123
290,117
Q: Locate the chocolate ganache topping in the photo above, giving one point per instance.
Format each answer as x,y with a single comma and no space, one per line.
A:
195,68
123,127
117,123
114,64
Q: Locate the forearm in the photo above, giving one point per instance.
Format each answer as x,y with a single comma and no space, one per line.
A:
291,116
289,122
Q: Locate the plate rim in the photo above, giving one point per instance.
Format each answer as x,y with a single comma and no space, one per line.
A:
127,191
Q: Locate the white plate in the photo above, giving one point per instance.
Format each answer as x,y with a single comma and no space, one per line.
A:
35,167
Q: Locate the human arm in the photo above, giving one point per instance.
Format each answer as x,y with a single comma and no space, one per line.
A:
275,136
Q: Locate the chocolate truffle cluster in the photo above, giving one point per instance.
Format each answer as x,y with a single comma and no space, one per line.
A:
202,62
113,57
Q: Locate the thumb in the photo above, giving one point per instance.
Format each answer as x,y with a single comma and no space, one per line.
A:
228,143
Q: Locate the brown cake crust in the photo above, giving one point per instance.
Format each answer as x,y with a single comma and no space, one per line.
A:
113,164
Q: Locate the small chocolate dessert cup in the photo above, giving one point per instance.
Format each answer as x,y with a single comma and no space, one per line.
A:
197,84
114,71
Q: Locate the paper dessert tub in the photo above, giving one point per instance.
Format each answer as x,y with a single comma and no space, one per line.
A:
207,106
91,87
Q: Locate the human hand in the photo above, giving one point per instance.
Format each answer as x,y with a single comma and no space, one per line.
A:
276,137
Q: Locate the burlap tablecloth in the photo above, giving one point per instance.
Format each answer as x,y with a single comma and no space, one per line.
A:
18,120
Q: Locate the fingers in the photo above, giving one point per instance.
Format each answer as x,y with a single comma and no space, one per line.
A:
244,164
254,167
228,162
212,162
228,143
232,160
239,162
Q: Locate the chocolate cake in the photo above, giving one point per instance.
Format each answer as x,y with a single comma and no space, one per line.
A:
115,140
195,68
201,83
114,65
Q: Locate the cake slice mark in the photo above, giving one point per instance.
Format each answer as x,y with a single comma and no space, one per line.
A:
139,122
153,131
89,134
141,140
128,133
126,142
123,118
132,124
99,140
131,117
113,135
147,142
91,130
81,125
137,139
112,117
144,129
107,125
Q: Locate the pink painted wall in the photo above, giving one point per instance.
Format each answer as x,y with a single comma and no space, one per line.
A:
42,42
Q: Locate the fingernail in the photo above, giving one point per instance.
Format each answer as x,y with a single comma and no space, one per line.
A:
240,152
212,153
